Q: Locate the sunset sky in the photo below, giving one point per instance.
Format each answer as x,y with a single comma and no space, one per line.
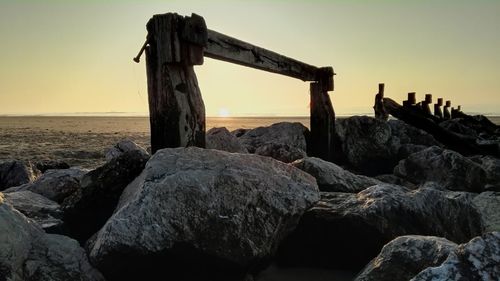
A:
60,57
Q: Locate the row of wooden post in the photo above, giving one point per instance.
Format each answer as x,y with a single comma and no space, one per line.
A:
424,105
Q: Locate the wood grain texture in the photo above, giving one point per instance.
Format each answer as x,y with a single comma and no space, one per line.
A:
321,143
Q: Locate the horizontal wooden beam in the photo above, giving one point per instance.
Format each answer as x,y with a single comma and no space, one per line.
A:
226,48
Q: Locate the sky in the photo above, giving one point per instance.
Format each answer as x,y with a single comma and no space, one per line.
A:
64,57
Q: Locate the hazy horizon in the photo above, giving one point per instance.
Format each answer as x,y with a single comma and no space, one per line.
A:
76,57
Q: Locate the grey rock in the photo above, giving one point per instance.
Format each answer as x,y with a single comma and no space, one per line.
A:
239,132
56,185
229,211
405,256
488,204
15,173
45,212
45,165
87,209
222,139
492,167
457,126
372,146
331,177
289,139
121,147
28,253
393,179
479,259
345,230
445,167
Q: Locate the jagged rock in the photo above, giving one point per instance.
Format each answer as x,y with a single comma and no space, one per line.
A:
393,179
331,177
45,212
347,230
488,204
222,139
492,167
405,256
445,167
14,173
201,212
374,147
45,165
56,185
239,132
87,209
478,259
283,141
122,147
28,253
456,126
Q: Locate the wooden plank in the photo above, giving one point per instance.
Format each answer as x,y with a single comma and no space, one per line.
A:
225,48
322,139
176,109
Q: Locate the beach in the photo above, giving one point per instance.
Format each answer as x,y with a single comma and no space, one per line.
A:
82,141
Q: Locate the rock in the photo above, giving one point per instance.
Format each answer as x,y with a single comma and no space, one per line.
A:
239,132
347,230
478,259
56,185
488,204
405,256
331,177
86,210
45,165
27,253
45,212
121,147
285,141
393,179
445,167
14,173
492,167
456,126
222,139
373,147
203,214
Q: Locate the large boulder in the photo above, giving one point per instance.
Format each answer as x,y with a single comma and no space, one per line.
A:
478,259
87,209
14,173
345,230
283,141
45,212
405,256
28,253
56,185
201,214
122,147
331,177
372,146
445,167
222,139
492,167
488,204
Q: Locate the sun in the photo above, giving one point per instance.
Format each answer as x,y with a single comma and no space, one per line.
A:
223,112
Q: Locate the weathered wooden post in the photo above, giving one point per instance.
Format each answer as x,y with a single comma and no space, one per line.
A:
426,104
437,108
446,113
322,139
378,107
176,109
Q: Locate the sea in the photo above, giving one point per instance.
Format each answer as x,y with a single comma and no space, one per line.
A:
82,140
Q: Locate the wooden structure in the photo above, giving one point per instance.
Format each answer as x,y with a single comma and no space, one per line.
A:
177,113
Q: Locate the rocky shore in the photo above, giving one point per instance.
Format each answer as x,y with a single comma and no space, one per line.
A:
396,205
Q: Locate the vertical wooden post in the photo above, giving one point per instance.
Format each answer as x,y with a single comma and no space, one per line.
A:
322,139
446,113
176,108
437,108
426,104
